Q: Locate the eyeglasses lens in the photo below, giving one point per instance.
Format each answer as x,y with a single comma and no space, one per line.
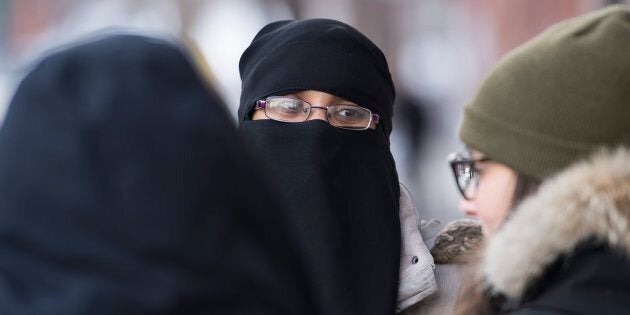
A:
287,109
464,172
349,116
295,110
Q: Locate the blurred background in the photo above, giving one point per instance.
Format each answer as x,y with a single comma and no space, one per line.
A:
438,51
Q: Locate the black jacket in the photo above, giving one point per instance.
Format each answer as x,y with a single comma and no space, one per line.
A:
593,279
123,190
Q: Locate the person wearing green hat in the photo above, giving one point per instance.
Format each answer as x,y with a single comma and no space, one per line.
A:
548,172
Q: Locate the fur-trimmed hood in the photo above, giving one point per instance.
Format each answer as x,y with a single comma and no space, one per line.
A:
589,200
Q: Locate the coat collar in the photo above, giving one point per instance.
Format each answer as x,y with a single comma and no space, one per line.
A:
590,199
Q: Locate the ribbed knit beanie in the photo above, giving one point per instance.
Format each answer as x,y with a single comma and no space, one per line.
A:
556,98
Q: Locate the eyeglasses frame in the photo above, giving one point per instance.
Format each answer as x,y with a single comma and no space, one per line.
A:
374,118
457,158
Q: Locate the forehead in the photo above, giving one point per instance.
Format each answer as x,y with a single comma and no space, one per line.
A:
318,97
475,154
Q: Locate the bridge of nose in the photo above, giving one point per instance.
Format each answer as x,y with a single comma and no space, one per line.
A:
317,113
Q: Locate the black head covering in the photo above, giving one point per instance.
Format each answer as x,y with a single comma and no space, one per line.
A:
339,186
121,192
316,54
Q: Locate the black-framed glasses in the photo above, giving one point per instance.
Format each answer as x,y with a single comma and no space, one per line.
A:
464,171
345,116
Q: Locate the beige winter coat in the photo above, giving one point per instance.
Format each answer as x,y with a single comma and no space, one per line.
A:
417,279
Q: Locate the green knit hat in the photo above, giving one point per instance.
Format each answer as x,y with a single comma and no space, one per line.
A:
556,98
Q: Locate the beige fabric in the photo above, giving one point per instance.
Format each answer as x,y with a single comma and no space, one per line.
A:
456,241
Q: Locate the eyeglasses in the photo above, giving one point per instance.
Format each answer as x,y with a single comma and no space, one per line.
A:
288,109
464,171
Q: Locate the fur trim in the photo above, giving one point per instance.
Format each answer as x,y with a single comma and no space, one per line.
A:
589,199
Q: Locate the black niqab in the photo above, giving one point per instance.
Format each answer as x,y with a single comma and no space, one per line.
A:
339,186
316,54
121,192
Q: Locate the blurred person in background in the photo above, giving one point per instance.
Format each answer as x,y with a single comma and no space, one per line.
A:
548,172
316,107
120,193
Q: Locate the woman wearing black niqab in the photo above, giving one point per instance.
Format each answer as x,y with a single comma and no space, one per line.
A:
339,185
120,193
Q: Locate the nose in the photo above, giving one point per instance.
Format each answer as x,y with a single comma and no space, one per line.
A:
317,113
467,207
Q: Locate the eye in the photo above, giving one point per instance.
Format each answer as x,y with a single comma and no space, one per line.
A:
348,113
465,173
351,113
289,106
286,109
478,167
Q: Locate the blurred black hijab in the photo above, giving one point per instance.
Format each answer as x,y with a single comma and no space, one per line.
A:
340,186
123,191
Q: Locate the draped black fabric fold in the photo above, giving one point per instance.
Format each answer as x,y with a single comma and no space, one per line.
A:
123,190
342,196
340,187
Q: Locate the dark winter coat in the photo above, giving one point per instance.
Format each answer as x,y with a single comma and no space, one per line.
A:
566,249
124,190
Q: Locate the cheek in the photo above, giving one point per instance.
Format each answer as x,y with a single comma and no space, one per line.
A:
494,199
492,215
259,114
